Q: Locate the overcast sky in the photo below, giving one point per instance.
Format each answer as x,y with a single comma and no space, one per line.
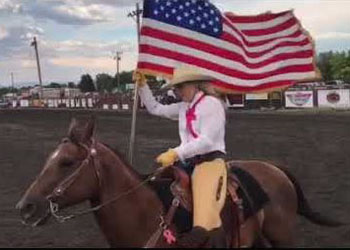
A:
80,36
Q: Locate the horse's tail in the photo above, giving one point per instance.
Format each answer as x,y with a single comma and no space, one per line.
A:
304,208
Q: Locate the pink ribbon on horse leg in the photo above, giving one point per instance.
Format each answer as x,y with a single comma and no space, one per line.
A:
169,237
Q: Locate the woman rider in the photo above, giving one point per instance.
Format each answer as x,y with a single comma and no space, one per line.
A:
202,132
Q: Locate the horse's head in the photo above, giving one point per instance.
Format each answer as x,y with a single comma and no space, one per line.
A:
82,184
62,162
79,186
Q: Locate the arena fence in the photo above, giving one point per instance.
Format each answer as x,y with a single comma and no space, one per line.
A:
336,98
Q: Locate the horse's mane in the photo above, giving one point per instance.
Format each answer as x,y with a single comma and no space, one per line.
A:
122,157
162,189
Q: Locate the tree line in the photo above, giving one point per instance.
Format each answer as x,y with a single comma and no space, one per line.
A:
334,65
105,83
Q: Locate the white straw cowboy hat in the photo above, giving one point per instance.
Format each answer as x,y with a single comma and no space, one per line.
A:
187,74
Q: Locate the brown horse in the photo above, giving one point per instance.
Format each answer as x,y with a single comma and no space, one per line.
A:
83,169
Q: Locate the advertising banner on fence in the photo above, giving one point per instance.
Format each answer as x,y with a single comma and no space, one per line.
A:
334,98
50,103
90,104
72,103
24,103
257,96
299,99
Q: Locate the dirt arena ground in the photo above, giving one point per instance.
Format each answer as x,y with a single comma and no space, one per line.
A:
313,145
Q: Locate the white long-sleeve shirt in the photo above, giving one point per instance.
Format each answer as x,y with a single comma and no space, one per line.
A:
209,124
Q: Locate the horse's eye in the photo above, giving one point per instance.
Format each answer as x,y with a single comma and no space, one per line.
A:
65,140
67,163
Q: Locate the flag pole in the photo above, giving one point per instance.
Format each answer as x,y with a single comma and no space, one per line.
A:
136,96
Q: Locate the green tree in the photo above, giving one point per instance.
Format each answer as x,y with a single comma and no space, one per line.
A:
334,65
324,64
71,85
345,74
54,85
125,78
341,66
86,84
104,83
4,91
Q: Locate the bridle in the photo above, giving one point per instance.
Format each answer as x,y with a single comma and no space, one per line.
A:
91,158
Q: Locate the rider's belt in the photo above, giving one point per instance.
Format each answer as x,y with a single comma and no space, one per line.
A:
198,159
190,163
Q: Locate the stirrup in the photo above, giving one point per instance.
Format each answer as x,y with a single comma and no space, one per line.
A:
217,238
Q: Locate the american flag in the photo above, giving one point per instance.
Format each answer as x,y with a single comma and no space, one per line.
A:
244,53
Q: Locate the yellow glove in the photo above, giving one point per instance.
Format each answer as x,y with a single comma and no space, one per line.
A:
168,158
139,78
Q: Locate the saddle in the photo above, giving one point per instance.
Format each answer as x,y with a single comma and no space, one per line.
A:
181,189
245,197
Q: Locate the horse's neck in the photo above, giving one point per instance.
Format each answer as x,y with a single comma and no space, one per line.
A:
133,218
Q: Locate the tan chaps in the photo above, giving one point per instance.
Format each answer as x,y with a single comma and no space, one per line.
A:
209,193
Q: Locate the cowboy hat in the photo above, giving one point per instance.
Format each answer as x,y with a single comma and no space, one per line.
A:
187,74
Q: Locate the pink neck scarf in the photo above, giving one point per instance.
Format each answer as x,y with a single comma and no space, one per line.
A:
191,116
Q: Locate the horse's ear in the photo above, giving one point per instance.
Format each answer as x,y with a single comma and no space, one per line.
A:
89,129
80,132
73,132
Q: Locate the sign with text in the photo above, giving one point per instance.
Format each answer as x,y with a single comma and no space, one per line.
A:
334,98
299,99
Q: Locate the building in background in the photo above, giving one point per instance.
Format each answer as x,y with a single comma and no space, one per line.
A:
71,92
54,93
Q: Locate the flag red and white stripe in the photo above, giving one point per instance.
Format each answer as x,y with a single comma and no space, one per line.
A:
253,53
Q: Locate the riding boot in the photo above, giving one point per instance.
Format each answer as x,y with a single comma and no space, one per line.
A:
197,237
217,238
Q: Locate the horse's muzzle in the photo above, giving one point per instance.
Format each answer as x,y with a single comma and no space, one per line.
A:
33,211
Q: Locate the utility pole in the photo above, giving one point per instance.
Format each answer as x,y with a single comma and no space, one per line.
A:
132,14
12,86
118,58
35,44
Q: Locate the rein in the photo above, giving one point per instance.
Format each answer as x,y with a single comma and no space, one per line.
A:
92,153
60,218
